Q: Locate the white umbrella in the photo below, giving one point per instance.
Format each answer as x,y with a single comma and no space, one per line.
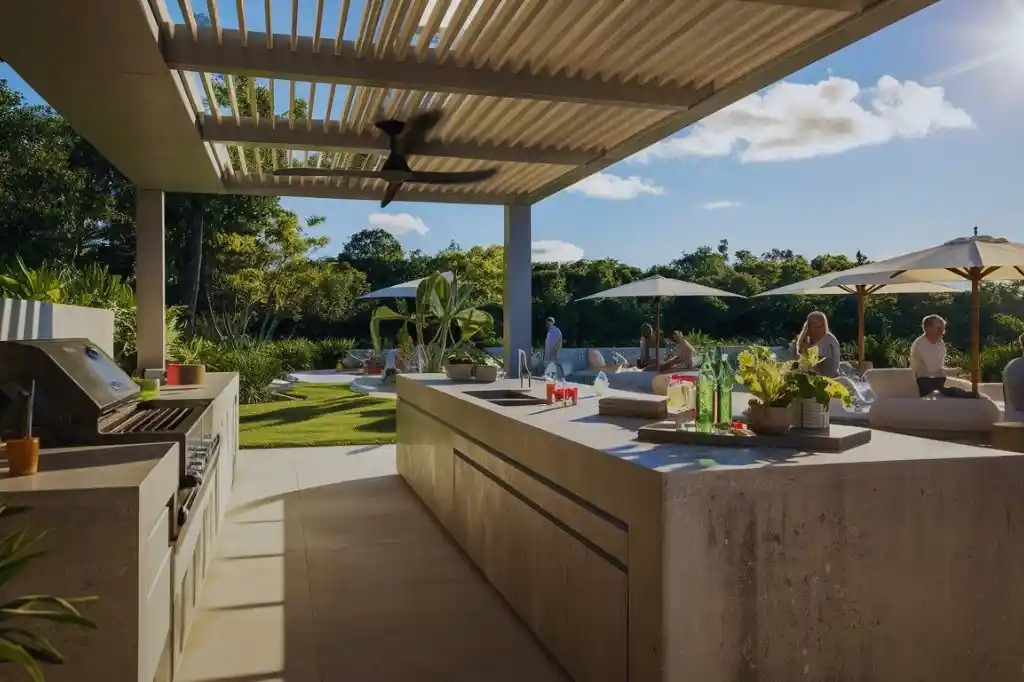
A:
862,286
975,258
404,290
658,287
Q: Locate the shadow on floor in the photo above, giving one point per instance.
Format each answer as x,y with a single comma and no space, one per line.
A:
352,580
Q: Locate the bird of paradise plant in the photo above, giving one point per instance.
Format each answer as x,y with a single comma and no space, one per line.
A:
442,308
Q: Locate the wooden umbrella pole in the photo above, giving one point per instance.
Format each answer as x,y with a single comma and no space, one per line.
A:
975,328
657,333
861,302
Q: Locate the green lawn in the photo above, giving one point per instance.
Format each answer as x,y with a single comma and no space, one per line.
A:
326,415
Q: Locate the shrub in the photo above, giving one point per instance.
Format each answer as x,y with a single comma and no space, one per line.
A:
256,365
993,360
330,351
294,354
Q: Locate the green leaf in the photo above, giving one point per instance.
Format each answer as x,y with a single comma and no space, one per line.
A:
15,653
36,646
13,566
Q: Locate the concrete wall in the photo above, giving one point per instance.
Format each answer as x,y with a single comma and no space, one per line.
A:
38,320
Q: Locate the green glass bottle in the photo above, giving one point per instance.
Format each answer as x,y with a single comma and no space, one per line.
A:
705,394
726,380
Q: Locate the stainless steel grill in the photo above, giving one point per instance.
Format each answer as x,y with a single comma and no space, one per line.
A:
150,420
84,398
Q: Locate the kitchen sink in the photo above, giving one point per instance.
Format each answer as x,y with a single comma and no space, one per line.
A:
506,398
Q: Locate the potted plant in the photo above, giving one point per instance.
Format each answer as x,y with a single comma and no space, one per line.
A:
767,379
814,393
459,365
465,361
18,645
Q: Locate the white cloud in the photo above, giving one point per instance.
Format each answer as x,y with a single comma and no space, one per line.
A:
720,205
610,186
792,121
398,223
555,251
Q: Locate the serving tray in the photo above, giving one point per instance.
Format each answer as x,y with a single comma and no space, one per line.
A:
837,438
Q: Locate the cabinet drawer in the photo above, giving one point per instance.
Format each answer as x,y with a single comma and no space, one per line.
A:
572,596
155,625
156,549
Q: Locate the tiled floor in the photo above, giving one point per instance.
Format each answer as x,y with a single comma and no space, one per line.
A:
329,569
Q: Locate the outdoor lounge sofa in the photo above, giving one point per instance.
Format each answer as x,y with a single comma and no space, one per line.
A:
898,405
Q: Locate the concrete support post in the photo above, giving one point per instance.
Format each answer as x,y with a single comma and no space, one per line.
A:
518,295
150,276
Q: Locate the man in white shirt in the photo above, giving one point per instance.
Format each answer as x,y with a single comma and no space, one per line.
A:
928,360
553,341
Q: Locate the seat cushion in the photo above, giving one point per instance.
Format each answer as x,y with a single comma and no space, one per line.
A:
934,414
892,383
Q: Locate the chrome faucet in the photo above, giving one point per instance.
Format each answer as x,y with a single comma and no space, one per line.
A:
524,365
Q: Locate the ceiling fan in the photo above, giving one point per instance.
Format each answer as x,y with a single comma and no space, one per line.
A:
404,137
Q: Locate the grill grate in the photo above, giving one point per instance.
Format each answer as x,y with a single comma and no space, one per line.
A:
152,420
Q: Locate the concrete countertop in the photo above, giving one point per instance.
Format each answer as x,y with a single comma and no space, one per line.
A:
216,383
108,466
616,436
88,468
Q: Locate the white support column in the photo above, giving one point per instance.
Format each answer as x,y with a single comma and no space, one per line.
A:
518,294
149,277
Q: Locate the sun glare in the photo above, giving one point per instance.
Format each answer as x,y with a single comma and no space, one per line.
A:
995,41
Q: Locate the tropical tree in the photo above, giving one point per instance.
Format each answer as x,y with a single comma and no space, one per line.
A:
442,309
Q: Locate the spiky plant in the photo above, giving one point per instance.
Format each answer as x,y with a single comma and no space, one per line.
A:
19,645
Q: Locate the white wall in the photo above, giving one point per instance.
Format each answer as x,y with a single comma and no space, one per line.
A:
37,320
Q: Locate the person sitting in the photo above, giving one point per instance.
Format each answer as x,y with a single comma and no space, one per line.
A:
646,340
1013,385
928,359
815,332
683,358
595,362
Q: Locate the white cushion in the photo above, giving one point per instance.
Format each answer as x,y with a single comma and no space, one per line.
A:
892,383
935,414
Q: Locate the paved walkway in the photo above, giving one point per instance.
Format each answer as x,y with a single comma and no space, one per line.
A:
328,569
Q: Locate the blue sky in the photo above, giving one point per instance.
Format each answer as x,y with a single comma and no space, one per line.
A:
910,166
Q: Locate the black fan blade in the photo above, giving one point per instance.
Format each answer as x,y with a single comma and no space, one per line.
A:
388,175
454,178
389,193
416,130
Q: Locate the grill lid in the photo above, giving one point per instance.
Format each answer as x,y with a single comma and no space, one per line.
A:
87,380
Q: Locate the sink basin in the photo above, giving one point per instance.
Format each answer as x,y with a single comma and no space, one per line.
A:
506,398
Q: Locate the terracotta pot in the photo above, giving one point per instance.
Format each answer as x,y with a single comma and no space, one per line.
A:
769,421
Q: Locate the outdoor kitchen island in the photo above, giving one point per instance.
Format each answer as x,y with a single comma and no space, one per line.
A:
109,511
896,560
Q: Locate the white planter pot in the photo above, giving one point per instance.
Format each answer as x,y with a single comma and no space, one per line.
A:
813,415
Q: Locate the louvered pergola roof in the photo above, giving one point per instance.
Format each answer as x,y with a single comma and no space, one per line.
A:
548,91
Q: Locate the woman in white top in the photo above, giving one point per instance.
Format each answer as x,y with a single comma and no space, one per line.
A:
815,333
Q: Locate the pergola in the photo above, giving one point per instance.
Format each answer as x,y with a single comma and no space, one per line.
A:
548,91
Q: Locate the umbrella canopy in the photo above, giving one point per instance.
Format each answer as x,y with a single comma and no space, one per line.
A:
404,290
658,287
975,258
862,286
